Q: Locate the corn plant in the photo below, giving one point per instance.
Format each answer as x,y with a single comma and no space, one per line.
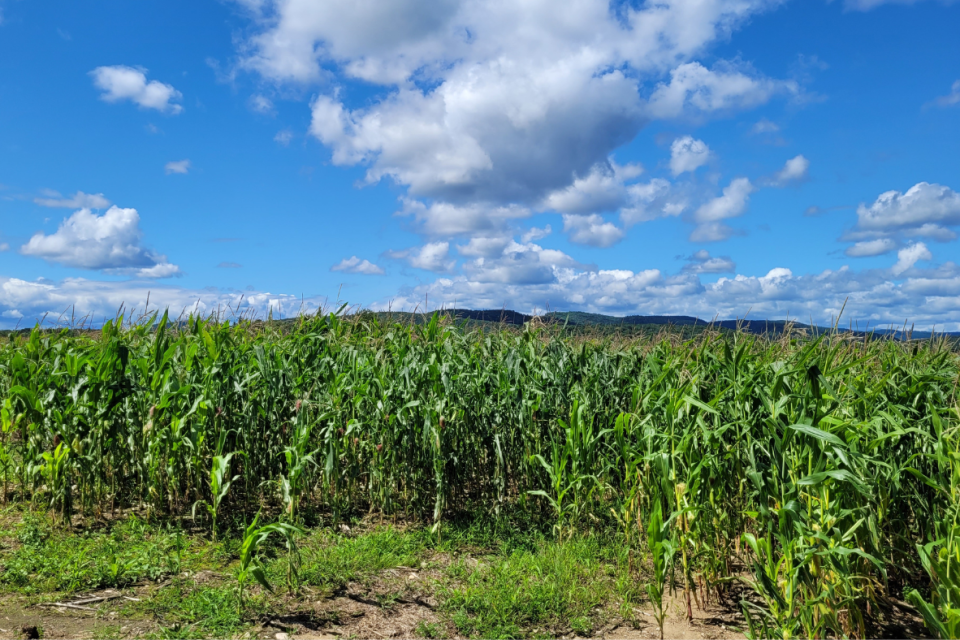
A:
250,563
661,551
220,482
821,461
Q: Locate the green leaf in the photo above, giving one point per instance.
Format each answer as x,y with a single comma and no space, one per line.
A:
261,577
819,434
931,617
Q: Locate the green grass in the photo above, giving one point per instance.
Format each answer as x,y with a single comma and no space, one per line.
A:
491,577
554,589
184,610
47,559
331,561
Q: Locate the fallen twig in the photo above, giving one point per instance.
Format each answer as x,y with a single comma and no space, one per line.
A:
65,605
97,599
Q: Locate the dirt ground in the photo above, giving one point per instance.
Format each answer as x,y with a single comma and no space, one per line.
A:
394,606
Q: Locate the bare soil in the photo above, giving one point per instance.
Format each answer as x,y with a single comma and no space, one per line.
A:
393,605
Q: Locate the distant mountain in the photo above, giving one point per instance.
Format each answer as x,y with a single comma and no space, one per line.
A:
584,319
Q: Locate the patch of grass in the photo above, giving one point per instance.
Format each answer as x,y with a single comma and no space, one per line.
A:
515,529
53,560
187,611
332,561
107,632
429,630
552,590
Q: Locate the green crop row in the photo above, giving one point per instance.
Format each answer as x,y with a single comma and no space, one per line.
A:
824,471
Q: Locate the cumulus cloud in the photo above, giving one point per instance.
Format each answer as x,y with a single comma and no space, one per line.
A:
177,166
536,233
909,256
924,211
120,82
94,301
4,247
703,262
592,230
79,200
506,104
433,256
688,154
485,247
447,219
709,216
651,200
110,242
527,277
927,297
283,137
694,90
869,248
603,189
526,264
353,264
795,170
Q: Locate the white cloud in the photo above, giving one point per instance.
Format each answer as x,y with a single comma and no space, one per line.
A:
926,297
96,301
695,90
353,264
162,269
764,126
925,210
795,170
703,262
951,99
652,200
261,104
485,247
592,230
536,233
527,277
177,166
109,243
283,137
446,219
909,256
505,104
867,5
520,264
603,189
709,217
688,154
4,247
120,82
79,200
868,248
433,256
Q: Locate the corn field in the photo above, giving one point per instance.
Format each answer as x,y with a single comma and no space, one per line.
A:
821,472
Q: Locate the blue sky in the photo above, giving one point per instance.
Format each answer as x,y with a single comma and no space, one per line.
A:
702,157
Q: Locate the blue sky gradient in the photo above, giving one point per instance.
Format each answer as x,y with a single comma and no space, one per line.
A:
403,154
